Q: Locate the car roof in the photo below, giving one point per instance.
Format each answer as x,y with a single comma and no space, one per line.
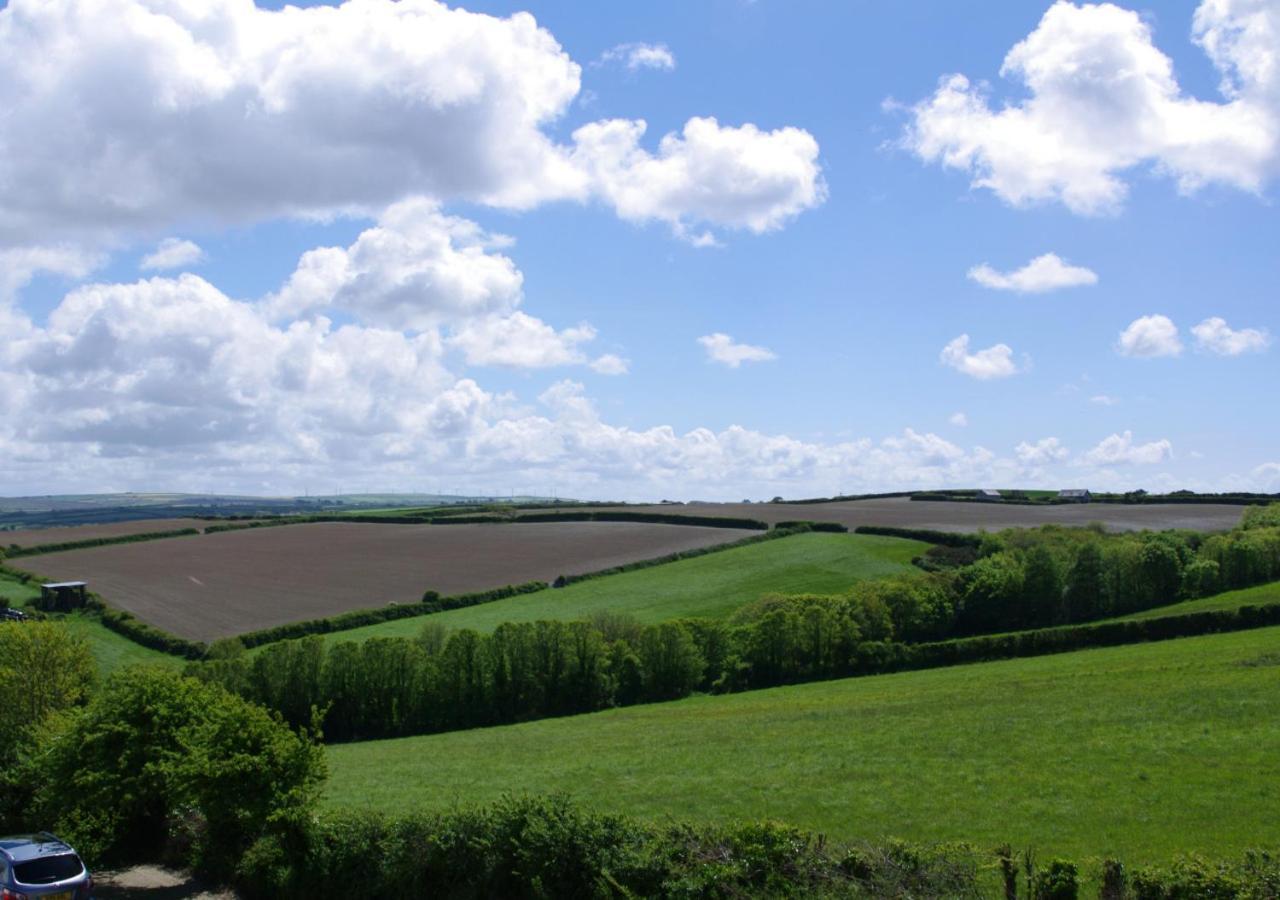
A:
22,847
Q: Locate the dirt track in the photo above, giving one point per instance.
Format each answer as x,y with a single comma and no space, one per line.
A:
943,516
217,585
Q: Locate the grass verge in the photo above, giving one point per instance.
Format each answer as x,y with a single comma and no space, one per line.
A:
1139,752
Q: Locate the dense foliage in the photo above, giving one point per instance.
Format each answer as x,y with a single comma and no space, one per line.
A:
155,756
391,687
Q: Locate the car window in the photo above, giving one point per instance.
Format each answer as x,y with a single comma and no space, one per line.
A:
48,869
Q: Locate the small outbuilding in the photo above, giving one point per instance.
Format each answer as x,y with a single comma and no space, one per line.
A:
989,494
1075,495
63,596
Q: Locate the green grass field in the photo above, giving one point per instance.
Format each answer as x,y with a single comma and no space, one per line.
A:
712,585
1260,595
1142,752
110,650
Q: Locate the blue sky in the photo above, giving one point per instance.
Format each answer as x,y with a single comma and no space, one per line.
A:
846,222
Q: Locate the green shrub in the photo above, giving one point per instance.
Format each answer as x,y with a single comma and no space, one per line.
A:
152,742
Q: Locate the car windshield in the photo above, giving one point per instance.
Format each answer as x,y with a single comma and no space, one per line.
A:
48,869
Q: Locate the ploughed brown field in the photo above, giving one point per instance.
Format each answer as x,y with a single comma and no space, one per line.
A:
901,512
36,536
218,585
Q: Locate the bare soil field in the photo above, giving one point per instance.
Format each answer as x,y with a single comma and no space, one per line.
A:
901,512
36,536
217,585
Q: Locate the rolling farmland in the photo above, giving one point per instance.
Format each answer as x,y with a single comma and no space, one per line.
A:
211,586
37,536
902,512
713,585
1142,751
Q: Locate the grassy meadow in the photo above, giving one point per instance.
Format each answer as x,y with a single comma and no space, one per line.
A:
110,650
712,585
1141,752
1259,595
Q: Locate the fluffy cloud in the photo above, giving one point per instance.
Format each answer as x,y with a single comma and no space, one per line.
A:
1103,100
1119,449
1104,400
724,350
709,173
521,341
1150,336
1215,336
162,112
611,364
960,420
994,362
172,254
1044,273
416,268
18,265
1044,451
636,56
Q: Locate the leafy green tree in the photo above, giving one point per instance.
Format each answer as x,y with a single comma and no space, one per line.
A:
151,742
670,661
1042,602
44,668
1086,585
992,594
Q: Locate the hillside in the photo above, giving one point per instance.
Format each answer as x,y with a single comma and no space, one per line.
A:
711,585
1141,751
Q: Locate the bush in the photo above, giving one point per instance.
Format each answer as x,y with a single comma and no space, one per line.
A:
151,744
548,848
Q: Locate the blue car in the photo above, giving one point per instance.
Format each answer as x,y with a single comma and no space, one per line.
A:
41,867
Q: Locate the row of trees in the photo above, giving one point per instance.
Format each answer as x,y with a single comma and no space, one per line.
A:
1021,579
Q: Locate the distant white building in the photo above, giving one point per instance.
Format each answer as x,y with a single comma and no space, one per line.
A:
989,494
1075,495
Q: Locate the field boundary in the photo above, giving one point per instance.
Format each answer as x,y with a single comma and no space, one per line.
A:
14,552
781,530
431,602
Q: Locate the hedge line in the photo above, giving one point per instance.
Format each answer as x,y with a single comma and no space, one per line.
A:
612,516
129,626
946,538
773,534
242,526
431,602
808,525
13,552
896,657
540,847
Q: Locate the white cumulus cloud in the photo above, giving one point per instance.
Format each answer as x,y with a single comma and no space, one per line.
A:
521,341
1044,273
160,112
733,177
636,56
1119,449
173,253
611,364
725,350
959,419
1044,451
1150,336
994,362
416,268
1102,101
1215,336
